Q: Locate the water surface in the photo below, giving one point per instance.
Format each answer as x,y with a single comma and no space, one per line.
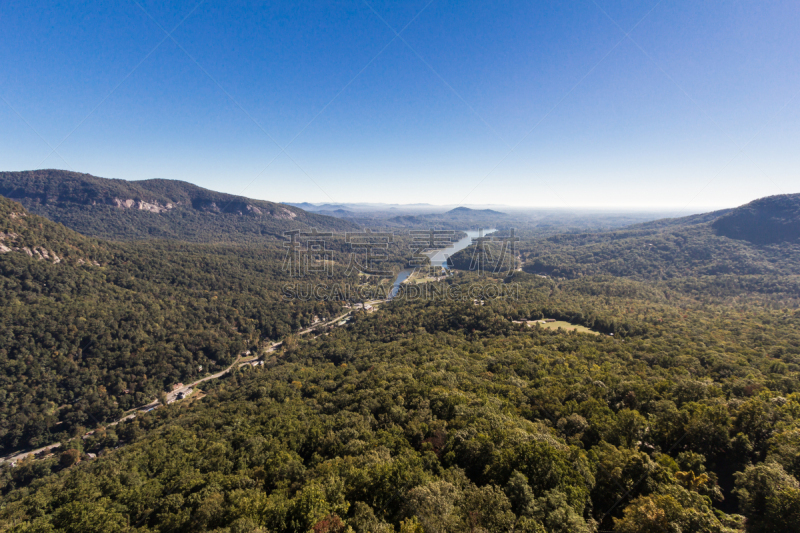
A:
439,257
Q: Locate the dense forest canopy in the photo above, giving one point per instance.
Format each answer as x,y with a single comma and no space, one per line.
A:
448,416
679,411
92,328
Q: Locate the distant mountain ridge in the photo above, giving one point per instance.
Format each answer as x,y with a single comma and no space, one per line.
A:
457,218
468,211
758,238
158,208
769,220
691,220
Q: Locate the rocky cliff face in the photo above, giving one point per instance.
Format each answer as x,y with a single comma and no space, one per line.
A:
59,188
9,244
141,205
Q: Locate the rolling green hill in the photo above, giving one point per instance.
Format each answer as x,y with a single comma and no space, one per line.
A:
163,209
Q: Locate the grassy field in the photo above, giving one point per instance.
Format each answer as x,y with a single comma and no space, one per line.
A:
566,326
417,277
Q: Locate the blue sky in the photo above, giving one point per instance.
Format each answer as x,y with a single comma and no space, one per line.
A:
523,103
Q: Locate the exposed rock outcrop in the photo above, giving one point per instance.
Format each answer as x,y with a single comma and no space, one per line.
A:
9,243
153,207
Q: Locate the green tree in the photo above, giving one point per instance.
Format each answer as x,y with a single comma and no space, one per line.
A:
768,497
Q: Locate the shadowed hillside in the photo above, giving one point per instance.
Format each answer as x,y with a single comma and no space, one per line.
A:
764,221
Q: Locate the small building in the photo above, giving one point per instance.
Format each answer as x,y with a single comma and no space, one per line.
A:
177,386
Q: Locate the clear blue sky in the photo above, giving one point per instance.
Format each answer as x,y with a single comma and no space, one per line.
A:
520,103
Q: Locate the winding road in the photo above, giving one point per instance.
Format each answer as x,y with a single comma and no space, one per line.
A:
173,395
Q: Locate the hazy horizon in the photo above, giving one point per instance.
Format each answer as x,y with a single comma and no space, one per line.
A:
619,209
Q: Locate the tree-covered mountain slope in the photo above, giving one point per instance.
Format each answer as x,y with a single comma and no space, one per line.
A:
167,209
444,416
760,238
691,220
35,236
91,328
447,411
771,220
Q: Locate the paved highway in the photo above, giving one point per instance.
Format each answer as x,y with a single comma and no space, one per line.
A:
172,396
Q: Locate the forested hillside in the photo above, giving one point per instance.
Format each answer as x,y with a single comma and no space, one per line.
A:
760,238
147,209
446,410
775,219
447,416
658,253
91,328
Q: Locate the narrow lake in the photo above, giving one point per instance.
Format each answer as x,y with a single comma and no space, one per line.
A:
439,257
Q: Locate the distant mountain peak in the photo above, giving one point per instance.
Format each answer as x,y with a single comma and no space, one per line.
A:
768,220
468,211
